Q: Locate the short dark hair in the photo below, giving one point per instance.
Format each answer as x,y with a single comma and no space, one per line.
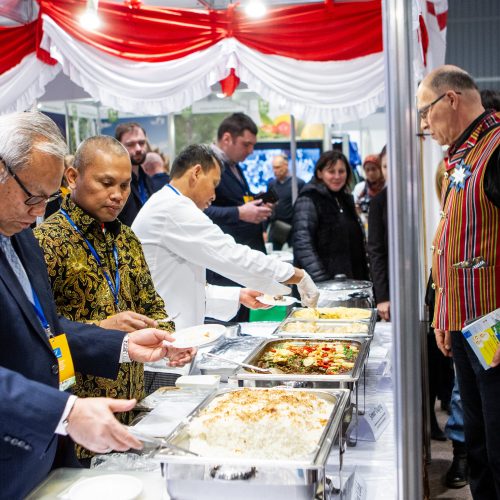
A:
452,79
236,124
123,128
85,154
330,158
195,154
490,99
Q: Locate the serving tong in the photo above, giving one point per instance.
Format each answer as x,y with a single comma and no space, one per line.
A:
239,363
159,442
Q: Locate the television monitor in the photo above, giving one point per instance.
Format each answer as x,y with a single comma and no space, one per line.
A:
258,167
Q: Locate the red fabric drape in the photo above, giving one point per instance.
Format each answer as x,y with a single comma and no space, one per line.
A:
314,32
16,43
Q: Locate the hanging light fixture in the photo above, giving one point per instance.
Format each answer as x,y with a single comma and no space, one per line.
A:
90,19
255,8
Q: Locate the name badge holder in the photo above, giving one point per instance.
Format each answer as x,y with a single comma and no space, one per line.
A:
60,347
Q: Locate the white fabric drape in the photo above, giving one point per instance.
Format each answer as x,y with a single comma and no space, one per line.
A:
24,83
314,91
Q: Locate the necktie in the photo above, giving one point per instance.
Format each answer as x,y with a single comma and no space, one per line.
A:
235,171
16,265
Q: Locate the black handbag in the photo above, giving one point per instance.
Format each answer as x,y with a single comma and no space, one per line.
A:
279,232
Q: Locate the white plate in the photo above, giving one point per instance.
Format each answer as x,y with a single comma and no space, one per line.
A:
196,336
269,300
107,487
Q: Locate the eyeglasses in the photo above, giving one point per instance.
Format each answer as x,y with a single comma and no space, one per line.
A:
423,112
32,198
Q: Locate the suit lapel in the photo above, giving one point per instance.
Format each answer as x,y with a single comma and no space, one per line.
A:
242,183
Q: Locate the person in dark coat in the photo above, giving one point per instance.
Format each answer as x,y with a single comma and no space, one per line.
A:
328,237
378,246
133,137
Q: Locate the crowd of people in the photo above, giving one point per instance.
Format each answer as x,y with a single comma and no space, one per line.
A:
125,239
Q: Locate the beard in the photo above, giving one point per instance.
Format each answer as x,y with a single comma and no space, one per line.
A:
138,160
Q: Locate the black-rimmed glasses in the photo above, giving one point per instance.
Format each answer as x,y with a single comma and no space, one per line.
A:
423,112
32,198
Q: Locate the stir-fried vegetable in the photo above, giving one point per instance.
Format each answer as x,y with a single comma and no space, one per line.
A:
318,358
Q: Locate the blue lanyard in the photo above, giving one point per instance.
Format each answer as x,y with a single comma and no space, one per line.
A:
143,194
114,287
39,312
173,189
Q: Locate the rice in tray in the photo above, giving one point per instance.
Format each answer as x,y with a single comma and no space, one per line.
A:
262,424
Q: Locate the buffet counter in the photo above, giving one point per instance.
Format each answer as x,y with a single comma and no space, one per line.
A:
370,465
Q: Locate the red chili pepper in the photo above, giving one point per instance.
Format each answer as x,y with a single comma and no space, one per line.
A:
272,350
325,349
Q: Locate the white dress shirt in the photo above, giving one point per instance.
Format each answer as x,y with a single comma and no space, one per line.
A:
180,242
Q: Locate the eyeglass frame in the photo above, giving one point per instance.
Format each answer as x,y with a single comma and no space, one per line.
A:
423,112
29,201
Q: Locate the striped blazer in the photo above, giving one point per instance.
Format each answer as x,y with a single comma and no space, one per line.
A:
466,254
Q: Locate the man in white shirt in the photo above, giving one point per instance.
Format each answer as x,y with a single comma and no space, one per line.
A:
180,242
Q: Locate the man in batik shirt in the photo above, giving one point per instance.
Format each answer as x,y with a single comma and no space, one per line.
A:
96,264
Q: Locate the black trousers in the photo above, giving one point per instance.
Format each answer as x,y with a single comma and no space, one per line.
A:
480,393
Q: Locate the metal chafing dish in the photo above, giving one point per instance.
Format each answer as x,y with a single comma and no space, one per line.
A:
296,311
190,477
247,377
295,327
342,291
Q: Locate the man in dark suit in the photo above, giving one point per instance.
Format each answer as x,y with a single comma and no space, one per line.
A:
35,412
133,137
234,210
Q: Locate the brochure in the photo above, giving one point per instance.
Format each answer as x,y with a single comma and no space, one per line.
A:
483,336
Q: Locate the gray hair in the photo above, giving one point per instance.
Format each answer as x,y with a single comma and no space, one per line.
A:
21,134
85,154
452,78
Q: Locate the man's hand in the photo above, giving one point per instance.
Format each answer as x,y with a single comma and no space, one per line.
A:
92,424
180,357
148,345
248,298
255,211
443,341
127,321
384,310
309,293
496,358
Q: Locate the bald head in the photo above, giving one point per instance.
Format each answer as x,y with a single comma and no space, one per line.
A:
153,164
280,167
448,101
94,146
100,177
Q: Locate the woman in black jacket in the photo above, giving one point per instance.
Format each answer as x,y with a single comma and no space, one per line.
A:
328,237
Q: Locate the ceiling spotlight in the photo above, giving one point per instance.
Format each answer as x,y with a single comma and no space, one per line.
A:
255,9
89,19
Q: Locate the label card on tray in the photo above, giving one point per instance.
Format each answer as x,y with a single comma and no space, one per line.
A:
373,423
355,488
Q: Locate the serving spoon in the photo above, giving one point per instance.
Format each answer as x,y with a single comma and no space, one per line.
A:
159,442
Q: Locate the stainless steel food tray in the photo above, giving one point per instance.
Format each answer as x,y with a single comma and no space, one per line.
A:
190,477
338,397
371,319
324,329
265,379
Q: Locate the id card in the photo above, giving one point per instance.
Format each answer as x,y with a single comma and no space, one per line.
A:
247,198
66,370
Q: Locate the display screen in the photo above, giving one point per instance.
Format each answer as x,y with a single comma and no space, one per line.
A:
258,167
